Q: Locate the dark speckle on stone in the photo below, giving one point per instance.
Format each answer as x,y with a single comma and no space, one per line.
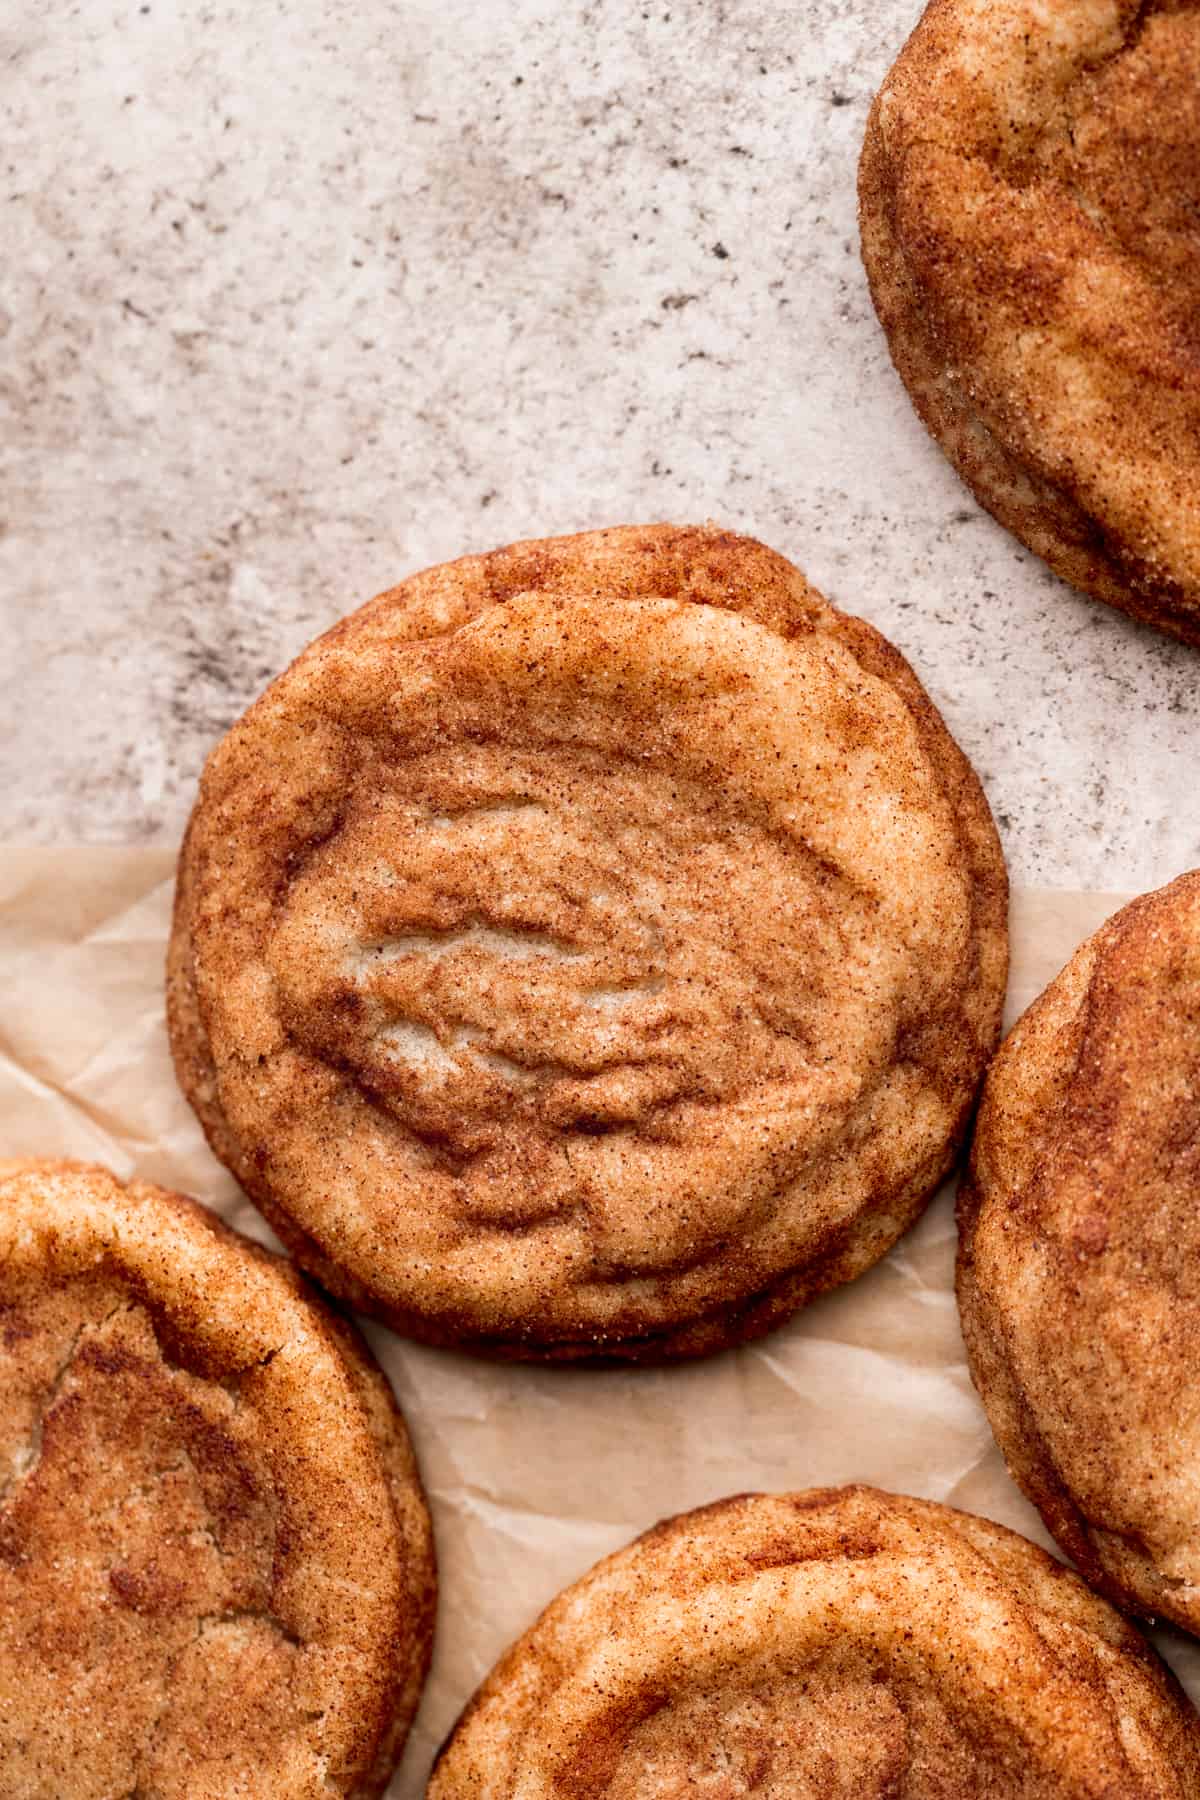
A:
720,252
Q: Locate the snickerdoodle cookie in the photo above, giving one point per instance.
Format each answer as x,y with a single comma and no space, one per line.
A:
1030,187
589,949
216,1572
834,1645
1079,1269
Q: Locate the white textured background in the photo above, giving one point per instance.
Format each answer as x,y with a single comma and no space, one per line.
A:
295,299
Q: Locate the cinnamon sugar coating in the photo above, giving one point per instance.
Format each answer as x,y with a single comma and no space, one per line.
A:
589,949
216,1569
833,1645
1029,189
1079,1245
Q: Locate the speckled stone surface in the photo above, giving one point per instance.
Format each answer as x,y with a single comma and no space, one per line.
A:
294,300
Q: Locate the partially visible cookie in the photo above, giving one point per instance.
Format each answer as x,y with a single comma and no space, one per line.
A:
1029,187
216,1568
833,1645
590,949
1079,1252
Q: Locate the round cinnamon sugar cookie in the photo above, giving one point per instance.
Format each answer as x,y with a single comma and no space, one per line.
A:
842,1644
216,1570
1029,188
589,949
1080,1249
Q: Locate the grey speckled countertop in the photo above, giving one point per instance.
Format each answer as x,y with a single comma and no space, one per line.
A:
295,300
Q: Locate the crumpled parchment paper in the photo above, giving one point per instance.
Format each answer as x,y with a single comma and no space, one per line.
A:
532,1475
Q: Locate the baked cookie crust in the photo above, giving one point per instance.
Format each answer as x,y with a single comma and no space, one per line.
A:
838,1643
1078,1246
590,950
216,1566
1029,188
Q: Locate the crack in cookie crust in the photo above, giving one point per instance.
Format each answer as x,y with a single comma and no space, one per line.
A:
1029,193
589,949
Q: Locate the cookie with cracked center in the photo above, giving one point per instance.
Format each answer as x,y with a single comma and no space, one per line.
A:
1029,190
216,1569
841,1644
1079,1244
589,949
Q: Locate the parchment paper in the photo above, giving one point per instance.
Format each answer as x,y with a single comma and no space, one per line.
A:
532,1475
